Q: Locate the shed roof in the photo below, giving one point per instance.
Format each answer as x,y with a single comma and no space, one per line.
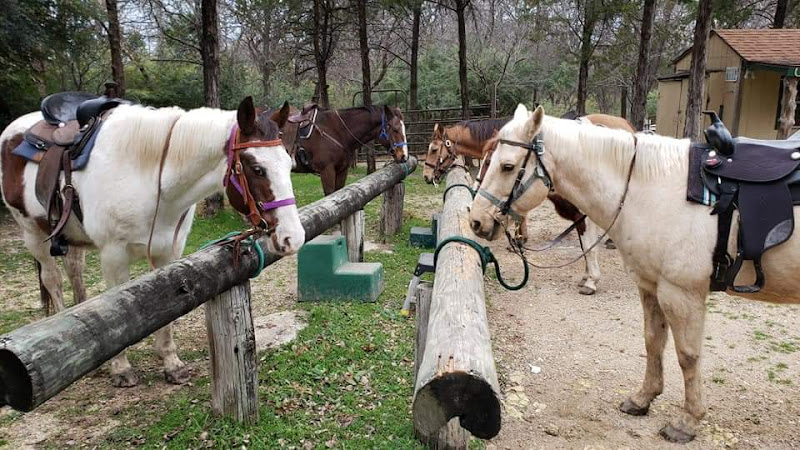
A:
779,47
767,46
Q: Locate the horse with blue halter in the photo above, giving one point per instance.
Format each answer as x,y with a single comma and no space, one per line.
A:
324,141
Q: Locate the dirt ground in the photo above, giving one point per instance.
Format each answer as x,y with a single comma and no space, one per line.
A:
590,352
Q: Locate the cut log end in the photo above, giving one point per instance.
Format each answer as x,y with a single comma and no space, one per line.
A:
16,387
462,395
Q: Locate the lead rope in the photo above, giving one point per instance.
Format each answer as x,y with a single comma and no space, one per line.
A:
487,257
248,239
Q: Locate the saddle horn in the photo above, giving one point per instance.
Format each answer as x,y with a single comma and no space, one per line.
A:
717,134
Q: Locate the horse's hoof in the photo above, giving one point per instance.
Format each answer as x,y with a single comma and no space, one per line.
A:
586,290
127,378
583,282
680,435
181,375
628,407
610,245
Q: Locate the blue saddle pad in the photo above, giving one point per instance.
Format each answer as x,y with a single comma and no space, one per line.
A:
31,153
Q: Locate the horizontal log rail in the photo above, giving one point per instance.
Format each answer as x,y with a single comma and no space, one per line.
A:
39,360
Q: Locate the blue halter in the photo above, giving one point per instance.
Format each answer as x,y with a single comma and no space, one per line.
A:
385,133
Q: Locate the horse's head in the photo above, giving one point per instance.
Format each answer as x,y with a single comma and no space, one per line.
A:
515,181
435,158
392,134
258,182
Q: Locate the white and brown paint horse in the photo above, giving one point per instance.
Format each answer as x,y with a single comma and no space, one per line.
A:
119,186
477,139
666,242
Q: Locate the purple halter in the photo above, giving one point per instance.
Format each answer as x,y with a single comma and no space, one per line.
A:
264,206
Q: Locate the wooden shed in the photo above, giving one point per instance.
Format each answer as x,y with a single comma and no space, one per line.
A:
745,76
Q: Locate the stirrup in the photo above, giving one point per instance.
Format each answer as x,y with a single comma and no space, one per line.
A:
746,289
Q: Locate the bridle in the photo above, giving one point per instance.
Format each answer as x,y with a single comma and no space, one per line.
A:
450,146
540,173
383,134
235,175
536,148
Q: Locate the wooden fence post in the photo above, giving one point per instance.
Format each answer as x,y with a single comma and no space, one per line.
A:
353,230
452,435
392,209
232,343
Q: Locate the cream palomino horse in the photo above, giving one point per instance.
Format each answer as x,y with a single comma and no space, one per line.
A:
118,192
666,242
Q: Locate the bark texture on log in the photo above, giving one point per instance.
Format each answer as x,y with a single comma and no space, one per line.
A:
451,436
457,376
39,360
232,345
392,209
353,230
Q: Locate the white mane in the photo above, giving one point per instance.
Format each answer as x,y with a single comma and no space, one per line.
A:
656,156
198,133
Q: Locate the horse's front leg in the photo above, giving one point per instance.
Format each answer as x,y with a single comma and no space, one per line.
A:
588,285
115,265
685,312
175,371
75,263
521,234
655,338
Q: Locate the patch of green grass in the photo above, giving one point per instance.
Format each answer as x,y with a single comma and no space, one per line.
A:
761,336
13,319
784,346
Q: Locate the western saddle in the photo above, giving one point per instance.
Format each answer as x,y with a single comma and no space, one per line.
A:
60,144
759,179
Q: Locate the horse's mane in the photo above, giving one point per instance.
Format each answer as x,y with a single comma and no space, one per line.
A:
483,129
656,156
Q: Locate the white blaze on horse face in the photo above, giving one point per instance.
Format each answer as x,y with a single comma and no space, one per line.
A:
405,146
277,164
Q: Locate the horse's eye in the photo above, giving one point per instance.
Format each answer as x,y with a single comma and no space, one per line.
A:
259,171
508,167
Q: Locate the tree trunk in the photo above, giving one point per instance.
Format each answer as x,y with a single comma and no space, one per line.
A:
780,14
266,50
318,36
589,20
366,76
209,53
697,72
642,82
115,43
623,102
788,108
461,12
413,89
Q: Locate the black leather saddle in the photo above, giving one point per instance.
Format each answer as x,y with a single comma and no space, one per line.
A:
759,179
60,144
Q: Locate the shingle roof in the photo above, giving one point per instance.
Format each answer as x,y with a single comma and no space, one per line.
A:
768,46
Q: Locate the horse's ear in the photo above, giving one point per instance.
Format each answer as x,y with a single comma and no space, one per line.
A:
437,131
521,112
280,117
388,111
246,116
534,123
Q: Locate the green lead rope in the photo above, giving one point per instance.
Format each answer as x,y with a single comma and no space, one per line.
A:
469,188
250,241
486,257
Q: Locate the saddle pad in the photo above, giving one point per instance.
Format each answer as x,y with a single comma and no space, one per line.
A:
766,216
33,154
696,189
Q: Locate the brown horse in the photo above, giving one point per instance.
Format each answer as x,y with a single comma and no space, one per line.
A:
323,141
477,138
